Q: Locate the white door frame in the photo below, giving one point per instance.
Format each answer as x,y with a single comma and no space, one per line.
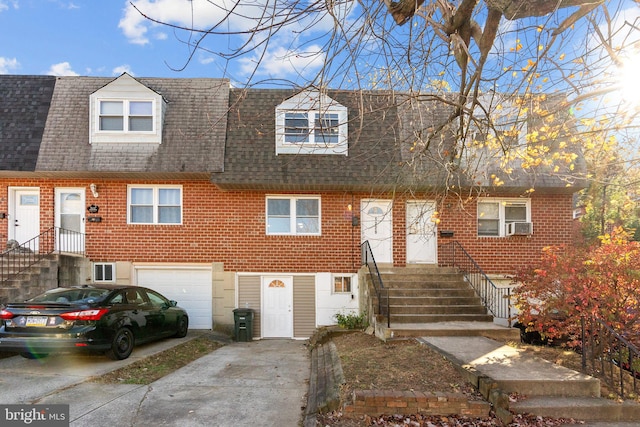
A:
422,236
377,228
277,322
33,223
60,245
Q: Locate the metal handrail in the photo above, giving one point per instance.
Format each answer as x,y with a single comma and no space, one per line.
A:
20,257
614,358
497,300
374,274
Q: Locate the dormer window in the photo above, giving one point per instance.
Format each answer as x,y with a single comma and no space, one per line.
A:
126,116
312,128
311,123
126,111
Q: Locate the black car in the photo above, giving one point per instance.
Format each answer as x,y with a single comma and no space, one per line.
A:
101,318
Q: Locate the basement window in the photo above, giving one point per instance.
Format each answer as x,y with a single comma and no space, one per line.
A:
104,272
341,284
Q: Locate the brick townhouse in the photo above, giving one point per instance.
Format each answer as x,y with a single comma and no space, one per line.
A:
222,198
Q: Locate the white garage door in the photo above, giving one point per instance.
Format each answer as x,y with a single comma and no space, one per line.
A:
190,287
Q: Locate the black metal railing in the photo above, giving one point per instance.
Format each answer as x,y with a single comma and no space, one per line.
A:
496,299
610,357
382,294
19,257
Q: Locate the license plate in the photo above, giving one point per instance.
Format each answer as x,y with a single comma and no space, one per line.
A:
37,320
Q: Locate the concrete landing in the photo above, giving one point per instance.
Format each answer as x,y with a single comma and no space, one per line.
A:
512,369
544,389
453,329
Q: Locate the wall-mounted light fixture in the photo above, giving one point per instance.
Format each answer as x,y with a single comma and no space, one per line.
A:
94,190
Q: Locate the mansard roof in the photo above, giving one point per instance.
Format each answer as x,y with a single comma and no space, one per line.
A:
24,107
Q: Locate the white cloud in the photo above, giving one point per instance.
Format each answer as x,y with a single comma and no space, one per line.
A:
5,4
215,16
124,68
8,64
281,62
61,69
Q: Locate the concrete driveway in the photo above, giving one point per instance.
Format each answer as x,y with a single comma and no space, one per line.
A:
30,380
241,384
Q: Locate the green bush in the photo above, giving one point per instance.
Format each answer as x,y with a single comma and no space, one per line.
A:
351,320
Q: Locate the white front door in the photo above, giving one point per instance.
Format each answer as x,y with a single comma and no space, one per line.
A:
277,307
24,214
421,232
69,208
377,228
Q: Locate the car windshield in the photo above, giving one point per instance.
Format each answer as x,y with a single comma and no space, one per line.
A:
72,295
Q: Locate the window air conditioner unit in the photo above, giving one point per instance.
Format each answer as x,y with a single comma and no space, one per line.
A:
519,228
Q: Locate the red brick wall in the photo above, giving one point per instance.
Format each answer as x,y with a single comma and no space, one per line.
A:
553,224
229,227
389,402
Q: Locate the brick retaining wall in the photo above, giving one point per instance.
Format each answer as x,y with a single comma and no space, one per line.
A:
378,402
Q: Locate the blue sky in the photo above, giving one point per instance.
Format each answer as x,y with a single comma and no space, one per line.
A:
106,38
109,37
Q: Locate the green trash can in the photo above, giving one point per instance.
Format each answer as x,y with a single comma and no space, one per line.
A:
243,318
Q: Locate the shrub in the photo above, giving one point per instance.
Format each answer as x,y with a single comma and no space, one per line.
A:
569,282
352,320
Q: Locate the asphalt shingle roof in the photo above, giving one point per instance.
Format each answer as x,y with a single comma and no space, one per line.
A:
251,160
193,131
24,106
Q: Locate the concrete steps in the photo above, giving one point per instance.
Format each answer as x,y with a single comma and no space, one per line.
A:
429,301
581,408
544,389
30,282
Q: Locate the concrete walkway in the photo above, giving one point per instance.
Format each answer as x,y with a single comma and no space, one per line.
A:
259,383
546,389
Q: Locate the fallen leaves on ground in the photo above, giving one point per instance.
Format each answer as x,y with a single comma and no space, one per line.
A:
371,364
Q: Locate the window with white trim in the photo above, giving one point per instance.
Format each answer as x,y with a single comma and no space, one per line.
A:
495,214
104,272
154,205
293,215
125,116
311,127
311,123
125,111
341,284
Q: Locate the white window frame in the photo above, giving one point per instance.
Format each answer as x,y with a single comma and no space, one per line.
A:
155,203
293,226
126,115
314,105
349,277
104,265
502,203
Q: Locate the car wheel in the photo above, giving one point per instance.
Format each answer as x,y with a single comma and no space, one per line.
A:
122,344
32,356
183,327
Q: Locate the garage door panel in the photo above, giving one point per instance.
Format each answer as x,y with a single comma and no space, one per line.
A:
191,288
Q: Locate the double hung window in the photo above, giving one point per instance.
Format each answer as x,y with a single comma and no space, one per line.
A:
311,128
155,205
311,123
495,214
293,215
126,116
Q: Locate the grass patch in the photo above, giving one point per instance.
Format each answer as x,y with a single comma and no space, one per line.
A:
154,367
